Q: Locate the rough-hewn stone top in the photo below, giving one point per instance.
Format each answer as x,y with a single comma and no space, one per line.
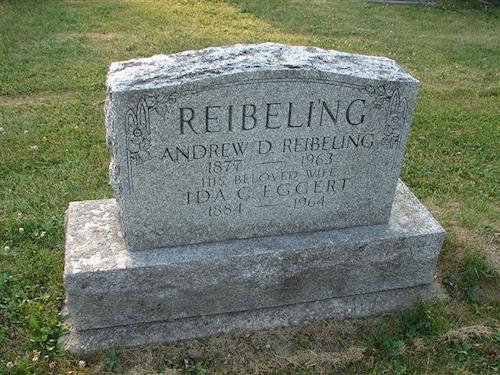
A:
254,140
155,71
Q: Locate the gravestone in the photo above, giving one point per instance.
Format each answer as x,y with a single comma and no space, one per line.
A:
256,186
242,142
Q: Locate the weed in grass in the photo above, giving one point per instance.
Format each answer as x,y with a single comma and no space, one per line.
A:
388,346
474,272
391,339
111,359
385,342
496,337
450,283
461,349
424,320
194,368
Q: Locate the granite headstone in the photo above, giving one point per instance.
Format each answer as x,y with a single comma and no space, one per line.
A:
261,185
249,141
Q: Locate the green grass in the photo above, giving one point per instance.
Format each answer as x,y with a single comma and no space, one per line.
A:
53,60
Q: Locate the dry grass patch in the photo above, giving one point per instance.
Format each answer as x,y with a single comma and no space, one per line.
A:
37,99
95,37
450,215
418,344
327,360
316,348
105,37
470,333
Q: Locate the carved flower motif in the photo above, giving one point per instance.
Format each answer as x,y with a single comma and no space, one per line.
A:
138,132
382,94
391,141
397,110
370,89
139,145
161,103
396,117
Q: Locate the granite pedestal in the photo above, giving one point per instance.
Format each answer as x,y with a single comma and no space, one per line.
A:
122,298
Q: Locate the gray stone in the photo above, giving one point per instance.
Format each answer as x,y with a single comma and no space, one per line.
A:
86,342
107,286
254,140
261,184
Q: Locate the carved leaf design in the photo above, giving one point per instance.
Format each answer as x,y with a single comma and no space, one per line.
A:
396,117
131,119
143,117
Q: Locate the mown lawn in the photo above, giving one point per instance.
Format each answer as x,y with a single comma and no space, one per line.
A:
53,61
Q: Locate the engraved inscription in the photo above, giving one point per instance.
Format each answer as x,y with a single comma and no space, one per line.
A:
244,148
296,172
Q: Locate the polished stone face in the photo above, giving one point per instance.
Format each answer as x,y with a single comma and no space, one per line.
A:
248,141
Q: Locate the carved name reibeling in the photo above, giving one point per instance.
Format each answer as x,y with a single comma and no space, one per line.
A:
244,118
226,182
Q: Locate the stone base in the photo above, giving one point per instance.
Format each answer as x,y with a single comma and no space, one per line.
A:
85,342
121,298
